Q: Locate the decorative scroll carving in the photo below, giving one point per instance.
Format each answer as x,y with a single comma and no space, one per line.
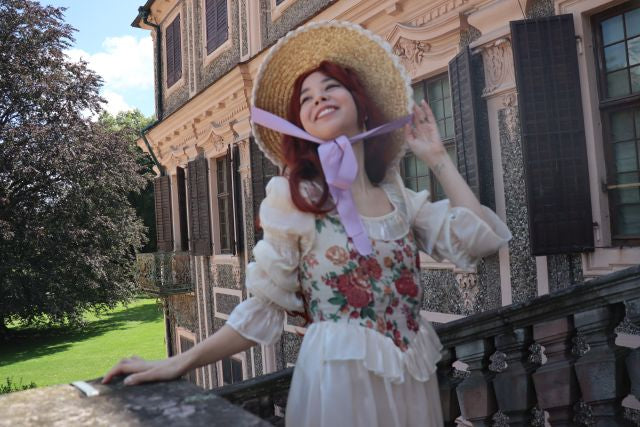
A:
468,283
411,52
498,67
537,355
510,104
580,346
498,362
583,414
500,419
539,417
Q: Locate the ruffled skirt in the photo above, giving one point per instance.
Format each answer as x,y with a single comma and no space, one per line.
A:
349,375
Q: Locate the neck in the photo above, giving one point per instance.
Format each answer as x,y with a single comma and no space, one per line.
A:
362,182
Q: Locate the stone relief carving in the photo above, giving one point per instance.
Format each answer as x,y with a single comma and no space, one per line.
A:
411,52
468,283
509,102
498,66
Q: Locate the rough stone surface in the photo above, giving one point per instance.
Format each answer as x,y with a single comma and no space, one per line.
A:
226,303
224,277
564,271
441,292
175,403
489,295
523,266
290,346
182,311
257,360
539,9
243,25
469,35
293,16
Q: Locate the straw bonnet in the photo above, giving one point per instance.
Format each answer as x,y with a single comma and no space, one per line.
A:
379,70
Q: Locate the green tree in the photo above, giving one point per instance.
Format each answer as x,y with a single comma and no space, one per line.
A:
131,123
68,233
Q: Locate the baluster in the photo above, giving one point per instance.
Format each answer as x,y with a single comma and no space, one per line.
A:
448,380
475,392
555,382
600,366
633,360
513,384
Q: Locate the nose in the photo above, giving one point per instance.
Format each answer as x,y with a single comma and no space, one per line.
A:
320,98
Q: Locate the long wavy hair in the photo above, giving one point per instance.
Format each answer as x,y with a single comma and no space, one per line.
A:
301,157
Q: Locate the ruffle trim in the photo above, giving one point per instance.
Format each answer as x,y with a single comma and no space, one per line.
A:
257,320
378,353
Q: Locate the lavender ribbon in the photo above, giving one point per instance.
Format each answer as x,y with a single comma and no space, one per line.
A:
339,166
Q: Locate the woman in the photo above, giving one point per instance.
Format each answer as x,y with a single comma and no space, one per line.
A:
342,235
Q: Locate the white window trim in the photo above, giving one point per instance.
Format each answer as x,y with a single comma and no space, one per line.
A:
208,57
240,357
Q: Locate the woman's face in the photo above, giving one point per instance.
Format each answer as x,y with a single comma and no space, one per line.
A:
327,109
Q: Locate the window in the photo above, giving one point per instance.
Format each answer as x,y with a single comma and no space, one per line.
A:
231,370
262,170
225,203
438,95
186,343
617,35
217,30
173,52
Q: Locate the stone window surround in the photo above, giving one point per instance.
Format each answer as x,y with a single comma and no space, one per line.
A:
169,90
606,258
233,292
185,333
208,57
239,357
278,10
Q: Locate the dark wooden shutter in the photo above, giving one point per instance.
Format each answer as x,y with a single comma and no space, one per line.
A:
261,172
182,207
174,52
236,194
217,27
473,149
164,228
555,155
199,216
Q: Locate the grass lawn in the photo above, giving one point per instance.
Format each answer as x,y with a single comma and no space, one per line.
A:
60,355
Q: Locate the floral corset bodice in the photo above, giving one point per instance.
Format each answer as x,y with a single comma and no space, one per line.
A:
380,291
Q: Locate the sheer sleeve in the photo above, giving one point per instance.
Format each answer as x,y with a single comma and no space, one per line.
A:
454,233
273,277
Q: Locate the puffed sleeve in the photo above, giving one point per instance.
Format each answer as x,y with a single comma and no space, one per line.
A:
272,278
454,233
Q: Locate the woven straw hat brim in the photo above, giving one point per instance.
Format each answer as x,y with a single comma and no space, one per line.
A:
379,70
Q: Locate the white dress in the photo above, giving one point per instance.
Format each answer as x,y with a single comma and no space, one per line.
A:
369,358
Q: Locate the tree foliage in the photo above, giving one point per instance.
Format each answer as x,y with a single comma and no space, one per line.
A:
68,232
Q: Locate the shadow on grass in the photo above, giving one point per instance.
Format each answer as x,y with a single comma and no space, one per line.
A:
31,343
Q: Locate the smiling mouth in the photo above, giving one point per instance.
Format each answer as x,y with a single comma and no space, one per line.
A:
325,111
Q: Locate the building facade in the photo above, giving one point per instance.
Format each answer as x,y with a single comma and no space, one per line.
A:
538,102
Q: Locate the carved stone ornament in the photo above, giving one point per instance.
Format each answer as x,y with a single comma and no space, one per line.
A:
468,283
458,374
537,356
580,346
237,276
498,362
500,419
632,415
510,104
498,66
583,414
213,271
411,52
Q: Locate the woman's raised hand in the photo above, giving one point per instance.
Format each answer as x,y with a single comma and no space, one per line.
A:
141,371
423,137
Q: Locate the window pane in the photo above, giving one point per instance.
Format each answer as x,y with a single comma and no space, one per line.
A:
438,109
236,366
627,178
450,131
635,79
409,166
445,87
421,168
227,376
423,183
418,93
622,126
618,83
633,46
434,90
629,220
612,29
447,107
625,156
629,195
615,57
633,22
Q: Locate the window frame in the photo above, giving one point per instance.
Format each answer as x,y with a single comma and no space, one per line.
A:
449,143
607,106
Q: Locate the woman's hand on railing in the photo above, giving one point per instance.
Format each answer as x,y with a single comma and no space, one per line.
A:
140,371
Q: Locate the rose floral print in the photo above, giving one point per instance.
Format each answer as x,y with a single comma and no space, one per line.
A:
379,291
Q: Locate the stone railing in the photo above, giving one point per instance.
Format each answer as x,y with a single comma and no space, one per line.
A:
162,273
552,361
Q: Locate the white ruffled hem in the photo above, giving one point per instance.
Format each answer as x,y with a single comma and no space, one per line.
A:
377,352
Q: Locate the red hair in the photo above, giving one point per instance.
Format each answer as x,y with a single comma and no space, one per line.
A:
301,157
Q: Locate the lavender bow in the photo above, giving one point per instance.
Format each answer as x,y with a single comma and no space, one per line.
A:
339,166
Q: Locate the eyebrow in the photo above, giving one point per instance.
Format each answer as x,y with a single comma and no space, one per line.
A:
326,79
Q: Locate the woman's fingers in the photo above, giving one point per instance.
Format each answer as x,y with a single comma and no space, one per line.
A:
126,366
408,132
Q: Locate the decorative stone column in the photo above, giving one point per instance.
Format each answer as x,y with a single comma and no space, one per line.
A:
475,392
448,379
